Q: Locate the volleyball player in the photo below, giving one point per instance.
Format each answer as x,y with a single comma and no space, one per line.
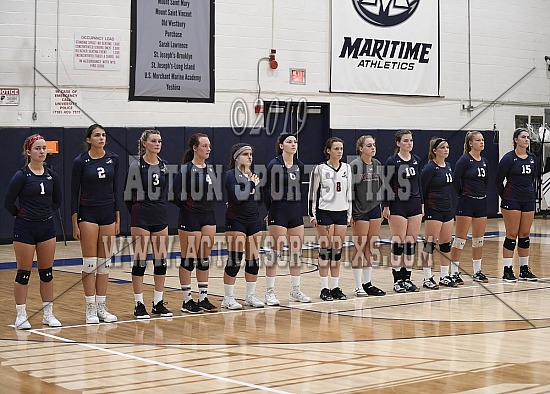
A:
145,195
330,208
518,167
367,215
403,208
243,227
470,179
282,198
437,188
37,191
95,217
194,194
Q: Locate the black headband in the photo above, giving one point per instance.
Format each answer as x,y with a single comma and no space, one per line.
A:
518,132
438,142
283,137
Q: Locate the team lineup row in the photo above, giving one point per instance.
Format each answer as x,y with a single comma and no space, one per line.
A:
359,194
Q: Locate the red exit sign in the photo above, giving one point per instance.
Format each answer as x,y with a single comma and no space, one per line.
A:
298,76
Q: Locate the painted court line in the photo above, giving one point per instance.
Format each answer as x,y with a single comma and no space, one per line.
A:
164,365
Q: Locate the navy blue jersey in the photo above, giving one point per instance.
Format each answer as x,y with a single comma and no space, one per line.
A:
243,197
520,176
404,180
283,183
194,188
94,182
38,195
146,192
470,176
437,186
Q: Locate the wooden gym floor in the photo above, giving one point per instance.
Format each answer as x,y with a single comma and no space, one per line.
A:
474,339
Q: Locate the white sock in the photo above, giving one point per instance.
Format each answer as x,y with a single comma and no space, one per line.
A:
358,277
21,308
334,282
251,288
203,290
524,260
101,299
269,281
367,274
477,265
454,266
295,280
228,290
90,299
324,282
507,261
157,296
427,272
138,298
444,271
186,292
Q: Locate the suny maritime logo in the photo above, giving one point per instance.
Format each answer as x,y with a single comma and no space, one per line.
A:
385,13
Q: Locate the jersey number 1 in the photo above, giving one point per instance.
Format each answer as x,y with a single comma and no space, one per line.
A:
42,191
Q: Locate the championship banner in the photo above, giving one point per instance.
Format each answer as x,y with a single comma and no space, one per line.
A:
172,50
385,47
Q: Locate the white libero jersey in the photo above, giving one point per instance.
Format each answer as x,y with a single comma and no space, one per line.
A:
330,189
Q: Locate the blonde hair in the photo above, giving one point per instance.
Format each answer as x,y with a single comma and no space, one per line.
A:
361,141
144,137
435,142
469,137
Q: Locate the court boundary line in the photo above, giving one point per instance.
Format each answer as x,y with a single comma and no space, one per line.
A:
160,364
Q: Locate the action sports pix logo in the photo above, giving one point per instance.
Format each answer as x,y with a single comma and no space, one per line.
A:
383,53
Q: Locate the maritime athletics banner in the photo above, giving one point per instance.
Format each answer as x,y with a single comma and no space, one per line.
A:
385,47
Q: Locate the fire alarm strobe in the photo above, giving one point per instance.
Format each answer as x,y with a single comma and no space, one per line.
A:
272,62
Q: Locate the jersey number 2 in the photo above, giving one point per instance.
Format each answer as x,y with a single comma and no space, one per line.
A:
100,172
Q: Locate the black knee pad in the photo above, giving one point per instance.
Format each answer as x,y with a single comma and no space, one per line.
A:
203,264
252,267
445,247
232,270
188,263
509,244
324,253
429,247
159,266
233,265
138,269
397,248
410,249
524,243
336,254
46,274
22,277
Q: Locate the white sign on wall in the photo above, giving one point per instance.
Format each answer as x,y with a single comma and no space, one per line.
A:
96,52
9,96
385,47
63,102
